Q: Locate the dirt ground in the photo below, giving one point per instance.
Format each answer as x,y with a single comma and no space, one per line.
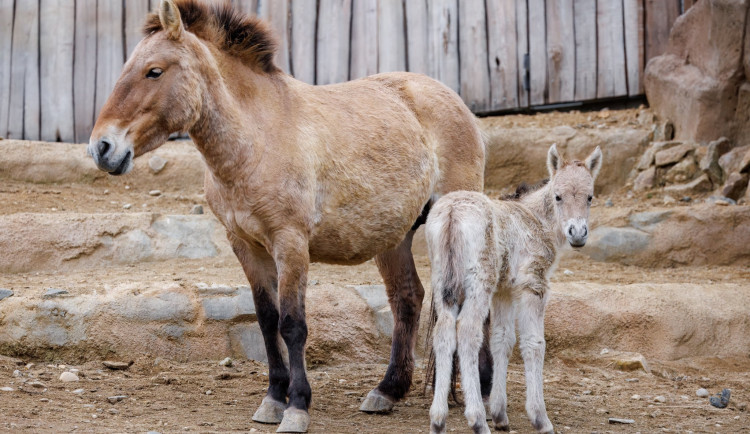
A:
581,391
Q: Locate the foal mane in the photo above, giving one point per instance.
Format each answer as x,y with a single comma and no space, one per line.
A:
523,189
243,36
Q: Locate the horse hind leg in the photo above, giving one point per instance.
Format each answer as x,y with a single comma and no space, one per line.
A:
405,294
470,333
502,342
444,345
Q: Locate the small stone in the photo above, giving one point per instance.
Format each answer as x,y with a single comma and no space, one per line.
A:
568,273
635,397
68,377
698,185
38,385
672,155
54,292
734,187
656,414
154,193
604,351
614,420
5,293
632,363
645,179
113,411
586,392
197,209
115,399
660,399
7,389
721,200
669,200
44,400
608,203
17,373
721,400
156,163
117,366
686,199
209,392
226,362
602,411
703,393
742,406
127,206
79,391
632,380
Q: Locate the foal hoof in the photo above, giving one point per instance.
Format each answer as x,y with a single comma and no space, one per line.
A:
376,402
295,420
270,411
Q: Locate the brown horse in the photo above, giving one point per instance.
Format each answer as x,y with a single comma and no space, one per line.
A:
296,173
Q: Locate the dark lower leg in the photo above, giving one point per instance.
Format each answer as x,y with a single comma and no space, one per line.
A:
294,332
405,294
268,320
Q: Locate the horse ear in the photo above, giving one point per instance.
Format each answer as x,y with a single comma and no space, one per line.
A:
170,19
594,162
553,160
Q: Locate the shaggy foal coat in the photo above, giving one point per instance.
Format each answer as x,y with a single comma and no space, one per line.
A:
494,258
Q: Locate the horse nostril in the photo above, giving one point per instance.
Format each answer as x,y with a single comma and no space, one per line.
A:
585,231
570,231
103,147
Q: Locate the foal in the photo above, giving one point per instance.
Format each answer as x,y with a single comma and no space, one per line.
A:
494,258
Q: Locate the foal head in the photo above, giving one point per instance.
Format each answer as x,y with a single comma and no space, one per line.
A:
572,185
163,86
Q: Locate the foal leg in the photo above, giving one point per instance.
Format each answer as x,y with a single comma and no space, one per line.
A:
260,270
444,345
531,329
502,342
405,294
290,251
470,338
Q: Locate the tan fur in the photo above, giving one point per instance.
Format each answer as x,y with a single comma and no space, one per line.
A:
296,173
493,257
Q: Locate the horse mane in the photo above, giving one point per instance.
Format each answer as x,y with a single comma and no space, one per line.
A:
245,37
523,189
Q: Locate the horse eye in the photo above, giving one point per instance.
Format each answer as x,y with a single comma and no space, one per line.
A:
590,197
154,73
558,198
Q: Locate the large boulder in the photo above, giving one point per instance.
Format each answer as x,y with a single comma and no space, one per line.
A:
696,83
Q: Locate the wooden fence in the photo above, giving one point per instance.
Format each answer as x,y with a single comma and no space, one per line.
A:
59,59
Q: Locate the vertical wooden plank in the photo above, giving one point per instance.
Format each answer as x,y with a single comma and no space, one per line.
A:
660,15
522,51
472,43
24,116
135,16
332,60
502,57
537,53
364,40
302,39
634,47
276,12
585,37
109,49
611,73
84,69
57,19
561,59
249,7
416,36
6,40
442,42
391,36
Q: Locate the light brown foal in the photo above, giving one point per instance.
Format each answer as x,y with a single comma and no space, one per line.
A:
296,173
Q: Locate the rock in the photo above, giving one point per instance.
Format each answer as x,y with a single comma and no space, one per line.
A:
37,385
117,366
672,155
68,377
686,199
699,185
721,400
703,393
226,362
230,308
635,397
631,362
568,272
127,206
709,164
54,292
7,389
742,406
209,392
17,373
721,200
668,200
246,340
745,163
611,244
730,162
614,420
5,293
115,399
645,179
154,193
608,203
374,295
79,391
196,209
602,411
646,220
683,171
156,163
660,399
735,186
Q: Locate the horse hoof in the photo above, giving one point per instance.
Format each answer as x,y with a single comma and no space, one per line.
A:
295,420
270,411
376,402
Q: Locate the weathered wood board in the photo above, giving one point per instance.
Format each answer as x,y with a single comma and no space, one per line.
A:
442,42
57,18
474,68
6,47
332,59
502,58
611,76
561,56
364,41
585,39
391,36
302,40
24,112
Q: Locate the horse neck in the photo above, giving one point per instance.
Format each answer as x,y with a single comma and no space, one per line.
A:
542,204
229,130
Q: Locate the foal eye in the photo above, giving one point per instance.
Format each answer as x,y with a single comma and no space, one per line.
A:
154,73
590,197
558,198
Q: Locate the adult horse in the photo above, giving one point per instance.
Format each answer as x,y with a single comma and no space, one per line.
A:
296,173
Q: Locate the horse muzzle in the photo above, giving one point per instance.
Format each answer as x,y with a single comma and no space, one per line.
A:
109,158
577,233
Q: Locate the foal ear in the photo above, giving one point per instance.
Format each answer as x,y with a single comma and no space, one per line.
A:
170,19
594,162
553,160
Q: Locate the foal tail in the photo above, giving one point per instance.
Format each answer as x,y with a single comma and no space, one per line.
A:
447,247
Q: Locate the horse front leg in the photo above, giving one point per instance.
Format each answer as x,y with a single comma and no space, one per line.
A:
290,251
405,294
260,270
